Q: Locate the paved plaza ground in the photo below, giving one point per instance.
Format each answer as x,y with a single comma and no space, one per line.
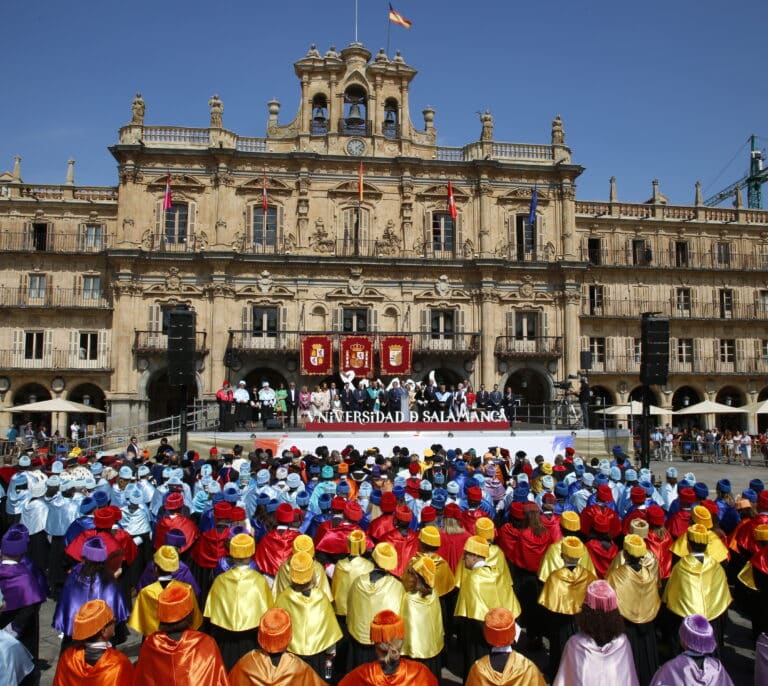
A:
737,654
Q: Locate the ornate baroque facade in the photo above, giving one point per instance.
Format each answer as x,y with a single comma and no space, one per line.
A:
88,275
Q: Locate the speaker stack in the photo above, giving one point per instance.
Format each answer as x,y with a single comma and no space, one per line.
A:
654,354
181,346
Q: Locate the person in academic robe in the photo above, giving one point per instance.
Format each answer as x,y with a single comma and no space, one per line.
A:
177,654
404,539
424,634
16,664
482,588
562,597
302,544
697,663
315,629
236,601
277,545
331,536
174,519
754,584
600,653
90,580
715,547
271,664
176,539
369,594
698,584
636,583
503,666
600,545
225,397
453,536
143,617
386,634
383,524
211,547
91,660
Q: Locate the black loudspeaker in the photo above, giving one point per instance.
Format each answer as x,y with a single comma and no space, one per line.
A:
181,346
654,355
274,423
586,360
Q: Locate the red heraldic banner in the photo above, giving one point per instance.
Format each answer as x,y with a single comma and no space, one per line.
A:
396,355
316,355
357,355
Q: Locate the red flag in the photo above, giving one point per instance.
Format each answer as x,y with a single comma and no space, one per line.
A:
264,194
451,202
397,18
167,201
360,183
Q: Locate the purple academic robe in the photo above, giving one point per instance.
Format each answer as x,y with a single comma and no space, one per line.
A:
78,590
181,574
22,585
683,671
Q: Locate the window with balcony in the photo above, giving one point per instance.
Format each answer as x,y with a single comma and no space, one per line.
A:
764,350
762,302
727,350
684,350
726,303
37,286
265,227
176,224
264,322
33,345
637,350
683,302
681,253
597,348
442,324
594,251
91,236
39,235
722,253
165,319
641,252
89,345
443,233
355,320
91,287
355,222
525,238
596,294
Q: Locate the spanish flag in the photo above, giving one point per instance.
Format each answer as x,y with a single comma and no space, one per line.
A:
451,202
397,18
167,199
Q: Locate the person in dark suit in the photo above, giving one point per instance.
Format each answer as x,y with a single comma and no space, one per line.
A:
292,404
347,398
495,398
359,399
483,399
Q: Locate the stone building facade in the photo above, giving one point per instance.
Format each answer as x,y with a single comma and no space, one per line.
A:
338,222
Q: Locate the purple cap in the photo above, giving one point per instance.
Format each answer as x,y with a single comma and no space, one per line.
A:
175,538
696,634
101,498
94,550
14,543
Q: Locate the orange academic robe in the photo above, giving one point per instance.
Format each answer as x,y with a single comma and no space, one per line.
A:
409,673
194,659
112,669
256,668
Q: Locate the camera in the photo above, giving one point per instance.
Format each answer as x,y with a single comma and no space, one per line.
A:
562,385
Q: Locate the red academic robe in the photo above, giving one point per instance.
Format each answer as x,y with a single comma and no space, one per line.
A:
678,523
507,539
185,524
530,549
660,548
274,549
381,526
744,536
194,659
334,540
469,519
409,673
112,669
601,557
552,522
588,515
406,546
452,548
209,548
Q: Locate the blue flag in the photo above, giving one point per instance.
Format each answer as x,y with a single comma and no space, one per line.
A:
534,203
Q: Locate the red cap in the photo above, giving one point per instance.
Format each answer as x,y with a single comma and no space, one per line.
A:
474,494
225,383
174,501
762,501
687,496
604,494
637,495
413,468
558,468
338,504
82,459
237,514
655,515
222,510
549,498
601,523
353,512
517,511
403,514
452,510
428,514
284,513
711,505
213,451
569,450
388,502
103,518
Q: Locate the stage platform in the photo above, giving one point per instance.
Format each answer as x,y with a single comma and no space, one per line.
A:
546,442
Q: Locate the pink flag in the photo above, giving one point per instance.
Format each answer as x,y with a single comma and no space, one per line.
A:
167,201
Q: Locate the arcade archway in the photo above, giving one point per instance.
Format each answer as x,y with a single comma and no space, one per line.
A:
32,393
166,400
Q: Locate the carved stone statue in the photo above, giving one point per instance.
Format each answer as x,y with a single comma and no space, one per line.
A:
487,119
217,109
137,110
558,133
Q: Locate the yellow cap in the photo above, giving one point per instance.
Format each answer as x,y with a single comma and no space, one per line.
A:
166,557
639,527
570,521
484,527
701,515
385,555
572,547
304,544
635,546
698,534
242,546
425,567
356,542
546,468
760,532
302,568
476,545
430,535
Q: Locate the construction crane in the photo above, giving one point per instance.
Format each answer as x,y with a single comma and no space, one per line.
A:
753,181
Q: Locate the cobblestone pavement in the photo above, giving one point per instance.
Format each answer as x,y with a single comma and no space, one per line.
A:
737,654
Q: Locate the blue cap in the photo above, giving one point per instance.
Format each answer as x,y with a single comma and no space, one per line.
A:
452,487
701,489
231,493
314,470
615,474
342,488
293,480
724,486
648,486
561,490
262,477
302,499
399,481
262,500
101,498
750,494
450,454
601,480
326,472
470,483
399,492
757,485
672,473
324,501
438,500
272,505
617,450
520,495
61,449
425,486
438,478
365,490
88,505
96,468
684,483
630,475
376,496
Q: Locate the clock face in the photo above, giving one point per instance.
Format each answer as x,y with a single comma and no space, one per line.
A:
356,147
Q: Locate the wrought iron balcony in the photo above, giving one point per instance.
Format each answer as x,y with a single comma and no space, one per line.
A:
54,242
153,342
653,258
609,308
696,364
538,347
54,359
55,297
364,128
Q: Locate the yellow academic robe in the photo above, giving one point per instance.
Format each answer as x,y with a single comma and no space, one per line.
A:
697,587
715,547
365,600
553,560
143,617
256,668
649,561
519,671
423,619
495,560
565,589
747,576
237,599
445,581
636,591
482,589
283,579
315,628
344,573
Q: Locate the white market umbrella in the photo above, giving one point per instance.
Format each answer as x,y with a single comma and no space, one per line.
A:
760,407
56,405
710,407
633,408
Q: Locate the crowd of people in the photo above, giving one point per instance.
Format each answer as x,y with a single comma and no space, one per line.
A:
357,567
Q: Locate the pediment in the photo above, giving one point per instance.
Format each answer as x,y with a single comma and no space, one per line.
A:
434,295
273,290
347,188
441,191
255,185
524,193
163,288
178,181
368,293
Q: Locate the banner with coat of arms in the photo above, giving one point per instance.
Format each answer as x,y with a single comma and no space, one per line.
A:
396,355
316,355
356,354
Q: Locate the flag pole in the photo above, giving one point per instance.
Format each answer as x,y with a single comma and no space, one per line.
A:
389,31
355,21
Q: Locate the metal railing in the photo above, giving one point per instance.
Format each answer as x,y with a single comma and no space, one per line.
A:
665,259
55,297
53,241
155,341
673,310
55,358
709,364
538,346
365,128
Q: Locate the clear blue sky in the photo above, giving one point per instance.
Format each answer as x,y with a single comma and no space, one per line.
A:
667,89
